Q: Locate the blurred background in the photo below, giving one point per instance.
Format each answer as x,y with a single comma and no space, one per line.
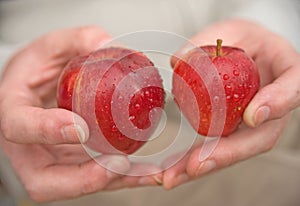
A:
270,179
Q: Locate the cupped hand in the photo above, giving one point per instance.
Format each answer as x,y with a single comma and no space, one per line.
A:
43,142
267,114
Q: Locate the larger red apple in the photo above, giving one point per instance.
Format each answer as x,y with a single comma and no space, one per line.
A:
239,82
116,91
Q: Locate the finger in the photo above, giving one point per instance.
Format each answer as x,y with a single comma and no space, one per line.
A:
241,145
68,153
135,181
53,50
278,98
25,124
57,182
138,175
176,175
175,172
70,42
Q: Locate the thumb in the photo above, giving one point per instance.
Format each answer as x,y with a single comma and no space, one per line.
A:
275,100
28,124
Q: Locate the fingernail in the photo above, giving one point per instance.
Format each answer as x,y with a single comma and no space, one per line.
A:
205,167
117,165
158,180
261,115
74,130
150,181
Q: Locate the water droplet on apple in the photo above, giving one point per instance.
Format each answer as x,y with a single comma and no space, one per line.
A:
120,98
147,93
137,106
131,118
228,97
236,97
236,73
114,128
240,86
225,77
228,87
204,120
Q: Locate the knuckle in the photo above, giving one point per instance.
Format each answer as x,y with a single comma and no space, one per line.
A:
91,35
226,157
274,135
93,183
46,127
230,158
88,188
85,30
54,44
272,142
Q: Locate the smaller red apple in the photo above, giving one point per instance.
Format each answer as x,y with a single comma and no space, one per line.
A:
240,80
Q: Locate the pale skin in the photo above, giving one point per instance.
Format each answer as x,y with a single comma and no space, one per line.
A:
267,114
53,166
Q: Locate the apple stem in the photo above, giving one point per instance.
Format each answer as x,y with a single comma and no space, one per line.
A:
219,45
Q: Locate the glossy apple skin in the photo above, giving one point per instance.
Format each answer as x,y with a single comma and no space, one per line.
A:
88,84
239,77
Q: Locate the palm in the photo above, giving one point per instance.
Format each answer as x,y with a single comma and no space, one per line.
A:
39,90
265,48
50,163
